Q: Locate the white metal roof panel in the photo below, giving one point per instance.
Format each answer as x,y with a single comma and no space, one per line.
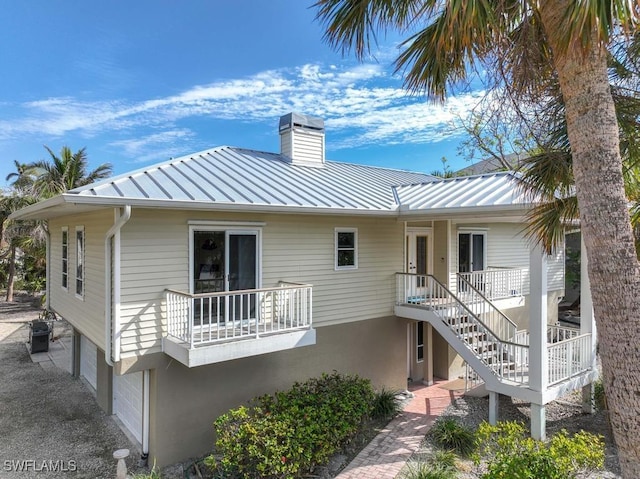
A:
463,193
228,175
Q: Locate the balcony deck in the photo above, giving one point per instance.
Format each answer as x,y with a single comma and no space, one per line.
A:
213,327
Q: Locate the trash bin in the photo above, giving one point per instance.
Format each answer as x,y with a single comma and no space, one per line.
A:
39,337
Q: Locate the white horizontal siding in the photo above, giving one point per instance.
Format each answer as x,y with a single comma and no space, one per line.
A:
507,247
86,315
155,250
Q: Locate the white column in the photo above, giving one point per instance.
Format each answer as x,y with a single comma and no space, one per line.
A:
429,355
494,402
538,359
587,323
538,422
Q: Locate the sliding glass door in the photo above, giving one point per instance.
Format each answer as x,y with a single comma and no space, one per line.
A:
225,260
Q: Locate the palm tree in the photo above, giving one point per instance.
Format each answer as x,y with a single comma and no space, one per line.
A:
525,43
65,172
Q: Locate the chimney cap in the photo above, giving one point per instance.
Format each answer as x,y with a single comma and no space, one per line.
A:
291,120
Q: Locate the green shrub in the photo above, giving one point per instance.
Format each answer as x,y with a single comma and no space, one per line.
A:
287,434
599,397
385,404
448,433
425,470
445,459
509,453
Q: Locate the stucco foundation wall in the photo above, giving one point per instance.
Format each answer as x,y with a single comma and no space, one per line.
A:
185,402
520,315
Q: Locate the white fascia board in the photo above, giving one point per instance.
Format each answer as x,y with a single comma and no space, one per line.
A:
465,211
209,206
28,212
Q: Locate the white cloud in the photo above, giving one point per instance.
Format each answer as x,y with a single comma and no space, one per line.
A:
361,104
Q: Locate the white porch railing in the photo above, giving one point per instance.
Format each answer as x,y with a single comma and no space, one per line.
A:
569,358
208,318
494,283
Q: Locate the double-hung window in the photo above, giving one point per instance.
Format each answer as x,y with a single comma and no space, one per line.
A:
346,248
80,268
65,258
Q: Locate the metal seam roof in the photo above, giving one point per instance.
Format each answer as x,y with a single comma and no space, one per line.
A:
241,176
237,179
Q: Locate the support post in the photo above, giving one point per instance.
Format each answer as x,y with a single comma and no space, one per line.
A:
429,355
538,422
494,405
75,353
587,324
538,357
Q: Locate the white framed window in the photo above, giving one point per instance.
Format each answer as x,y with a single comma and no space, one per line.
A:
419,342
65,258
80,268
346,248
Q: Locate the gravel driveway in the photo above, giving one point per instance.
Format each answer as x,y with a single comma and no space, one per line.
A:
50,423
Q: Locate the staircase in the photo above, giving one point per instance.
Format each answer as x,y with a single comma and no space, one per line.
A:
485,338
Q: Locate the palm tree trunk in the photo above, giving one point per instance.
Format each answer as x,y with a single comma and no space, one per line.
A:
11,278
614,270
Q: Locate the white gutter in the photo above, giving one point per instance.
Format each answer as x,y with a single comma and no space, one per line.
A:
112,303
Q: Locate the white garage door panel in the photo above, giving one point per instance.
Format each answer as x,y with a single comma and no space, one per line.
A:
88,366
127,402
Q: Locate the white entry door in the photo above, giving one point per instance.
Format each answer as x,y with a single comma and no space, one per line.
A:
127,402
419,256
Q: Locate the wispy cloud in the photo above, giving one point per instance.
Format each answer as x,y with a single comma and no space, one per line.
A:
157,145
362,104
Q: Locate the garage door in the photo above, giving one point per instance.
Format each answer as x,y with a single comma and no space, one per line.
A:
88,367
127,402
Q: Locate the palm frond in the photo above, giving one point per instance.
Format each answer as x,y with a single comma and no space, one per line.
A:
547,222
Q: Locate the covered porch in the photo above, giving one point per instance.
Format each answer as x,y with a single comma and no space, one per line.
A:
538,361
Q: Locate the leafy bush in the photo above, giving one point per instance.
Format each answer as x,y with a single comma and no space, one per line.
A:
287,434
448,433
599,397
509,453
385,404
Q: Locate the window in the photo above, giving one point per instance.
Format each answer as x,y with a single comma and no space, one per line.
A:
65,257
346,240
419,342
80,261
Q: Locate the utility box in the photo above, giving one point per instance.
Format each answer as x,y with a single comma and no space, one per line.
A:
39,337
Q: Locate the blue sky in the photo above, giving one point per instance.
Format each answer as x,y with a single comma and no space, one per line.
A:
138,82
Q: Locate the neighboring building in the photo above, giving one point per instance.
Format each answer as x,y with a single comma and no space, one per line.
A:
199,283
491,165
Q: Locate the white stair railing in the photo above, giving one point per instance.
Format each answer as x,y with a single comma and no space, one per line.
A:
506,359
495,319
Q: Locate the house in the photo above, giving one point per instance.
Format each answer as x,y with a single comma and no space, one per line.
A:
199,283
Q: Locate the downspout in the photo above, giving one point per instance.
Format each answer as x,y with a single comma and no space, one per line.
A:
112,306
145,417
47,290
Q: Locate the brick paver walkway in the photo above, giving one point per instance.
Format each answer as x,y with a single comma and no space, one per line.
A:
385,456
